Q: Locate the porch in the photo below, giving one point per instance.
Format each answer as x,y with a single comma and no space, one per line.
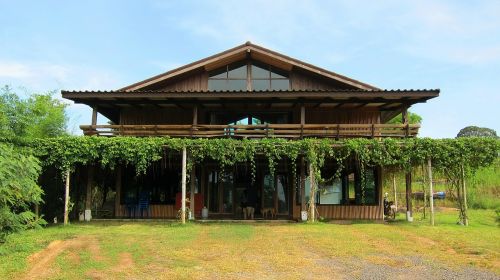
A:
157,194
293,131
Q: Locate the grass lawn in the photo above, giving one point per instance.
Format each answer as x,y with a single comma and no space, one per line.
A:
148,250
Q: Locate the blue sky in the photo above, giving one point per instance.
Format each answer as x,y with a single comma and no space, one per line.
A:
451,45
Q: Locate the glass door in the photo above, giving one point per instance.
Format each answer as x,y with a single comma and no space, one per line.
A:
275,193
220,198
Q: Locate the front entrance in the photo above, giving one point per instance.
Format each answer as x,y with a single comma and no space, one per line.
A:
228,192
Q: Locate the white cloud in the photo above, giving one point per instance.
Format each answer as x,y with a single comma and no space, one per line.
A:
43,76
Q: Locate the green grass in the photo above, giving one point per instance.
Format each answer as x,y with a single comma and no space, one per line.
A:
143,250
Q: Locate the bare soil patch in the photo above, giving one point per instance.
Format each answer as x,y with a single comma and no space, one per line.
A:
41,264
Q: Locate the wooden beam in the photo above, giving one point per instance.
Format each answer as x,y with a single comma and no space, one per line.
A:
66,198
183,186
118,190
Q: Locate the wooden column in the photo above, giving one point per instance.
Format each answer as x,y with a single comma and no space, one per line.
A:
431,191
395,190
195,115
312,195
464,195
192,189
409,210
88,196
302,185
94,115
183,185
118,189
302,114
66,198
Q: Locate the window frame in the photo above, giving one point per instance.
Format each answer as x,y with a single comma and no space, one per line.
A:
249,76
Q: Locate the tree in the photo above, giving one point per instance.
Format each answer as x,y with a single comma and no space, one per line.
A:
38,116
19,171
474,131
412,117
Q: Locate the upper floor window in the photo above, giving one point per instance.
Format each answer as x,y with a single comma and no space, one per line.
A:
248,76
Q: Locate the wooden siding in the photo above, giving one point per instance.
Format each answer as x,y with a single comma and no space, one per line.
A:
304,81
323,115
197,81
346,212
149,115
155,211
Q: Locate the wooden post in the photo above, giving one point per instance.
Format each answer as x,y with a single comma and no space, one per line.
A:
183,185
37,210
302,185
94,116
118,189
431,191
395,190
195,115
66,198
88,196
464,195
409,210
424,189
312,195
302,114
192,187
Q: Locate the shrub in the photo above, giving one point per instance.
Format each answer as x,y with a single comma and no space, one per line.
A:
19,172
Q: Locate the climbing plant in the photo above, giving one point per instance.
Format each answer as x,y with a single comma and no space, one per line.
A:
451,156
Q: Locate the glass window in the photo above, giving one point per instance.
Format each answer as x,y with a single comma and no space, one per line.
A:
282,84
236,85
331,192
369,187
275,73
235,77
260,84
217,84
259,72
237,72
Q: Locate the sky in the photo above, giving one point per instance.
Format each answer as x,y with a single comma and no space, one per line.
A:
105,45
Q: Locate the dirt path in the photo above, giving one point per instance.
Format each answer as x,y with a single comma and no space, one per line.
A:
41,264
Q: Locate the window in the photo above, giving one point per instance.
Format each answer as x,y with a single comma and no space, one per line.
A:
265,77
331,192
230,77
248,75
349,189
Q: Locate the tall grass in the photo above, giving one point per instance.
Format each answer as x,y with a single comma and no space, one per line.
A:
483,189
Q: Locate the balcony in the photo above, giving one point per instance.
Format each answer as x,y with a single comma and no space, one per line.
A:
291,131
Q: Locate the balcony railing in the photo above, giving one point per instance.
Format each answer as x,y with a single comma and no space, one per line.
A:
257,131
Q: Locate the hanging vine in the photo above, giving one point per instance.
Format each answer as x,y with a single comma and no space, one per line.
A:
450,156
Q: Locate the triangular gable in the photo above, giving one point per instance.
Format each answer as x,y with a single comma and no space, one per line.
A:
241,52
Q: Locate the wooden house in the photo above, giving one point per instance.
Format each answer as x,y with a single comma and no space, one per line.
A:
251,92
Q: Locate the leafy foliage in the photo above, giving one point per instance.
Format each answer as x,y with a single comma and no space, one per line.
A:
19,173
412,118
452,157
474,131
40,115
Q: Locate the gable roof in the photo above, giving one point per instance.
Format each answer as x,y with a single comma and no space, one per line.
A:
240,53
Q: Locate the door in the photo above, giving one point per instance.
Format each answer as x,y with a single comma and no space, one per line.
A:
275,193
220,198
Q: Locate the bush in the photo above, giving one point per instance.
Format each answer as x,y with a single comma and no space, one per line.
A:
19,172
